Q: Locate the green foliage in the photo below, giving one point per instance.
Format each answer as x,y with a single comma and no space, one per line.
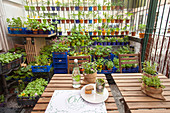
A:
109,64
124,50
59,47
149,68
141,27
2,98
34,88
152,81
89,67
42,60
15,22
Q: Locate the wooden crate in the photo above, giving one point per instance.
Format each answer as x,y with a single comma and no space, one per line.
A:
33,50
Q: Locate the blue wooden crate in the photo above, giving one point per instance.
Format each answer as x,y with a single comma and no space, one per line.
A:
59,54
59,60
41,68
60,65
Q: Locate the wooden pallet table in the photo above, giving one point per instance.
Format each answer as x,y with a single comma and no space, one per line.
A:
138,102
64,82
33,44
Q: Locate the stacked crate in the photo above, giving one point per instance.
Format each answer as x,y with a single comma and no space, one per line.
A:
60,62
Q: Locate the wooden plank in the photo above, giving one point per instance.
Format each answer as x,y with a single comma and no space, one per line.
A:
151,111
130,58
79,61
31,35
130,62
137,88
122,55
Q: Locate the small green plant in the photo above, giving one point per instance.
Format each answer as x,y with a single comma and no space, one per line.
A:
109,64
152,82
149,68
2,98
42,60
128,15
60,47
89,67
133,28
142,27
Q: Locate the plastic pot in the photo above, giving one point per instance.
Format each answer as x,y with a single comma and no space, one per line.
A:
76,8
58,8
104,20
94,8
63,21
72,8
60,33
62,8
116,32
90,33
67,21
38,8
141,35
90,21
116,20
72,20
127,20
53,8
48,8
77,21
67,8
121,20
108,20
90,8
68,32
81,20
133,33
122,32
99,8
86,21
59,21
94,33
104,7
81,8
100,20
95,20
112,20
108,7
85,8
127,32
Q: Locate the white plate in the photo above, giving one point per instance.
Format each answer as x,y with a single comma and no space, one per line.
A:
94,97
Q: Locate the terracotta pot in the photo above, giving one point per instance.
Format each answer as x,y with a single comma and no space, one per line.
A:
104,7
67,8
117,7
39,20
48,20
104,20
72,8
72,20
121,7
141,35
48,8
127,32
116,20
68,32
113,7
63,21
86,21
122,32
112,20
38,8
85,8
67,21
81,20
116,32
103,32
90,78
81,32
62,8
133,33
95,20
95,33
113,32
94,8
127,20
121,20
81,8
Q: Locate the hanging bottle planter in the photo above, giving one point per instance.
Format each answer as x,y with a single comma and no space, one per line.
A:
90,21
90,8
77,21
94,8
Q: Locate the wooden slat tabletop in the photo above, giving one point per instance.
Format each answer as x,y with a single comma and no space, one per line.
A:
64,82
138,102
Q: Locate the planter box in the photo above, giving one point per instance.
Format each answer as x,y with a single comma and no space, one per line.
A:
27,100
59,54
5,68
41,68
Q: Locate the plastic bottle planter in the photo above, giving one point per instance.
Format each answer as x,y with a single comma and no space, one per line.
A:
53,8
58,8
90,8
90,33
99,8
27,8
77,21
76,8
43,8
94,8
60,33
100,20
58,21
90,21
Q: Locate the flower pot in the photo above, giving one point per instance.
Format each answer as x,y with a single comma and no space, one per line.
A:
49,20
63,21
60,33
86,32
108,7
62,8
81,32
122,32
133,33
100,20
117,7
95,20
81,8
103,33
68,32
104,7
53,8
141,35
112,20
127,32
59,21
38,8
121,20
85,8
81,20
116,32
116,20
99,8
67,8
76,8
108,33
94,33
90,33
152,91
72,21
35,31
39,20
40,31
121,7
99,33
104,20
90,21
94,8
108,20
48,8
108,43
77,21
112,7
58,8
26,8
113,43
90,78
86,21
104,43
72,8
90,8
127,20
32,8
67,21
113,32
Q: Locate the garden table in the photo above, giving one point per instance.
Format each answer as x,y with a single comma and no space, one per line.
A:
138,102
64,82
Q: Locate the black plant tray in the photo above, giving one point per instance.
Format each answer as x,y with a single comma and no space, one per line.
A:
27,101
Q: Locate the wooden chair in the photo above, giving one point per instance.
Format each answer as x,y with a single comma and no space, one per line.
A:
81,59
135,57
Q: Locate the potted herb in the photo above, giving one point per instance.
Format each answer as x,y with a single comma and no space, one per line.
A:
48,7
63,20
105,15
58,5
43,8
109,64
94,32
113,40
142,29
95,5
72,6
117,18
108,5
133,30
117,31
123,30
104,4
90,72
113,6
67,7
149,69
26,6
112,19
76,5
99,7
62,7
112,31
95,17
128,16
37,7
152,86
100,84
99,19
108,31
126,30
81,6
